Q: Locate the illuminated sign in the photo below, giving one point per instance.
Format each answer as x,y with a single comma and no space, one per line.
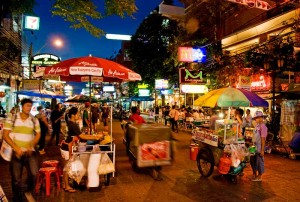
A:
161,84
143,85
144,92
260,82
167,92
190,54
193,88
32,22
108,89
190,76
244,82
43,60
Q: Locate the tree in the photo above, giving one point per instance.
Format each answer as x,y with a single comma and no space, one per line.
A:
79,13
154,47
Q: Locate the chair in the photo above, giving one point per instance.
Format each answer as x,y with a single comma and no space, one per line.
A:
45,173
52,163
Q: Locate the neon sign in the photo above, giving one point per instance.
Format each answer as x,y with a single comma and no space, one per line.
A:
190,76
190,54
260,82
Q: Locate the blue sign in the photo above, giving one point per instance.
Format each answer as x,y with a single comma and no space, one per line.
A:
199,54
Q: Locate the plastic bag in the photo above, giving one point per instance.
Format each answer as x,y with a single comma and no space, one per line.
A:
235,159
75,169
106,165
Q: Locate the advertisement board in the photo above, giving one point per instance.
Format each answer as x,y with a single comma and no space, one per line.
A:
161,84
144,92
191,76
192,54
185,88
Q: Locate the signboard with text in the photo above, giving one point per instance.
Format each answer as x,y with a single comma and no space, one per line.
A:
244,82
161,84
190,76
32,22
186,88
41,61
191,54
260,82
31,84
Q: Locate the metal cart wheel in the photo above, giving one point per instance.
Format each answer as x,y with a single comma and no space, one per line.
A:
107,179
205,162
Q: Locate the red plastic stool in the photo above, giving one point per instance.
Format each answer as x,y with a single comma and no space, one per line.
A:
46,173
52,163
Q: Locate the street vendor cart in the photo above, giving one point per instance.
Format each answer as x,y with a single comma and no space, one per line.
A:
216,144
149,146
224,147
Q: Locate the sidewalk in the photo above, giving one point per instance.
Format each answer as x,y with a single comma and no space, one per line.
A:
181,181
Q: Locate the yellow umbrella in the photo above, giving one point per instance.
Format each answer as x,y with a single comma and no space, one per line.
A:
230,97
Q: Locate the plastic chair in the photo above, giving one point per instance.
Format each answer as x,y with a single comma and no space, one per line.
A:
52,163
45,173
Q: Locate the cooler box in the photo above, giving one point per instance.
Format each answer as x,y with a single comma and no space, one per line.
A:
150,144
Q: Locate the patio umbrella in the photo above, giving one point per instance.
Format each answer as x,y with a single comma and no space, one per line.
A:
41,94
231,97
81,99
90,69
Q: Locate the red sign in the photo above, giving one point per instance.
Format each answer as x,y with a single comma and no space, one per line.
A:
297,77
260,82
62,71
155,151
185,54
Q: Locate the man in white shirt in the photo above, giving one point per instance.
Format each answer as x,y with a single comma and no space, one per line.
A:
174,116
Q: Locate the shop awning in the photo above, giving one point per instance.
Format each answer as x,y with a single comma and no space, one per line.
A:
41,94
143,98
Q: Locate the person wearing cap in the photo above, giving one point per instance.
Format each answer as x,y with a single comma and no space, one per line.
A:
259,138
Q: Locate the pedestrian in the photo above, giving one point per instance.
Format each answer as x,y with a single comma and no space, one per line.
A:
247,121
166,113
86,121
104,115
44,128
95,115
25,130
55,117
259,139
135,117
174,116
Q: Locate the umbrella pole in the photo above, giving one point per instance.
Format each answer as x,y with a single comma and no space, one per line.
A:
90,116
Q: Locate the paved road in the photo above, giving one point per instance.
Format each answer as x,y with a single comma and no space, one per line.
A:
181,181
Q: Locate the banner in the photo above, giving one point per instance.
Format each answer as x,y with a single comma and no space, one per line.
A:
190,76
31,84
253,3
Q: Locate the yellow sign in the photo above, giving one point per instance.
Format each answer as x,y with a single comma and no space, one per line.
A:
143,85
31,84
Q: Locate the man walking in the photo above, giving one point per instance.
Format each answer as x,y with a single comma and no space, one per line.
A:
174,116
25,135
56,116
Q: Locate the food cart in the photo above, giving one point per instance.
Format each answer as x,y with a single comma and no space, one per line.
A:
214,145
149,146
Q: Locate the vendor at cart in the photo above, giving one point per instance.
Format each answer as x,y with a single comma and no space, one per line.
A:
74,135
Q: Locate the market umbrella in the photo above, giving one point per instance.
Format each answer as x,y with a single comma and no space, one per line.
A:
90,69
41,94
231,97
81,99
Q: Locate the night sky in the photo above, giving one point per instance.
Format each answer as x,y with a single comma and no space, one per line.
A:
78,43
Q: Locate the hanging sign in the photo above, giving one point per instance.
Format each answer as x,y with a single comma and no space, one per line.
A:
161,84
32,22
253,3
190,54
260,82
244,82
190,76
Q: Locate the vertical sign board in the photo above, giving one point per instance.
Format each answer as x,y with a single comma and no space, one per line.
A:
32,22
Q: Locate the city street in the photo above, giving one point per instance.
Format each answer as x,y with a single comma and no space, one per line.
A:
181,181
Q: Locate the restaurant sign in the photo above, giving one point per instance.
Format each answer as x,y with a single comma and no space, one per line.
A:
191,54
41,61
260,82
190,76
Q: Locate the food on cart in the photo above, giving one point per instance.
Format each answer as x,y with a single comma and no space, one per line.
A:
155,151
97,136
75,168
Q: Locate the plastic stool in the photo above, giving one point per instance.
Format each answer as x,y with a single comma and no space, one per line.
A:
46,172
52,163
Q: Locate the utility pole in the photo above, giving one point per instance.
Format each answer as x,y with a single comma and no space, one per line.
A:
30,60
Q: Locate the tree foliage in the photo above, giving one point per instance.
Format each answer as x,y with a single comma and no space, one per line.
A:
154,47
79,13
